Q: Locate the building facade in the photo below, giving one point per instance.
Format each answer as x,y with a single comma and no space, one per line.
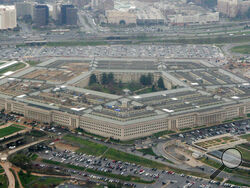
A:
41,15
7,17
130,129
232,8
68,15
24,9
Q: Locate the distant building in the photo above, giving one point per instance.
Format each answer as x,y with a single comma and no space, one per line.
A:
232,8
80,3
24,9
41,15
119,17
68,15
194,19
102,4
149,16
7,17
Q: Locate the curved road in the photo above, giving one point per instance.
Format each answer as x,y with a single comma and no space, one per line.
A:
6,166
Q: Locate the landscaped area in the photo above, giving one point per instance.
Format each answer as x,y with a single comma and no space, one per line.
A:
108,84
3,181
244,49
29,180
214,142
247,136
147,151
10,130
239,172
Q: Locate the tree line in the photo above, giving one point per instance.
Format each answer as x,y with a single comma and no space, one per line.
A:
145,80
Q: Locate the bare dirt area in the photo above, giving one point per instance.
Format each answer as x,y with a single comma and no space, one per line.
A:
63,146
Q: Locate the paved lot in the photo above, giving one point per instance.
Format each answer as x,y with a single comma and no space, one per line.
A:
164,51
119,167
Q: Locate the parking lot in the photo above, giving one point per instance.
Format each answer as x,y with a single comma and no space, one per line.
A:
123,168
167,51
235,128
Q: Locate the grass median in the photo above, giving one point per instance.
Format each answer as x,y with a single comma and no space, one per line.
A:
16,181
240,172
14,67
243,49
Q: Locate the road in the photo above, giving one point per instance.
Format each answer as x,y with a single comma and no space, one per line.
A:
6,166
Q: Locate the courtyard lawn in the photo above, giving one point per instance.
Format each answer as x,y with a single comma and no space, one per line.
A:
86,146
9,130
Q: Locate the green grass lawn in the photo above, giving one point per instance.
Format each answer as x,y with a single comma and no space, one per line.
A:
122,156
245,153
77,43
236,183
86,146
33,63
37,133
12,68
9,130
39,182
147,151
240,172
3,181
247,136
1,169
244,49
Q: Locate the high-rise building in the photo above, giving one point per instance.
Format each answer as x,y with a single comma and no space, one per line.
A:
232,8
71,16
68,15
7,17
41,15
24,9
228,7
56,11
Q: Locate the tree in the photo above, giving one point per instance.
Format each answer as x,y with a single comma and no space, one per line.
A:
104,79
92,79
120,84
21,160
161,83
153,88
149,79
110,78
143,80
